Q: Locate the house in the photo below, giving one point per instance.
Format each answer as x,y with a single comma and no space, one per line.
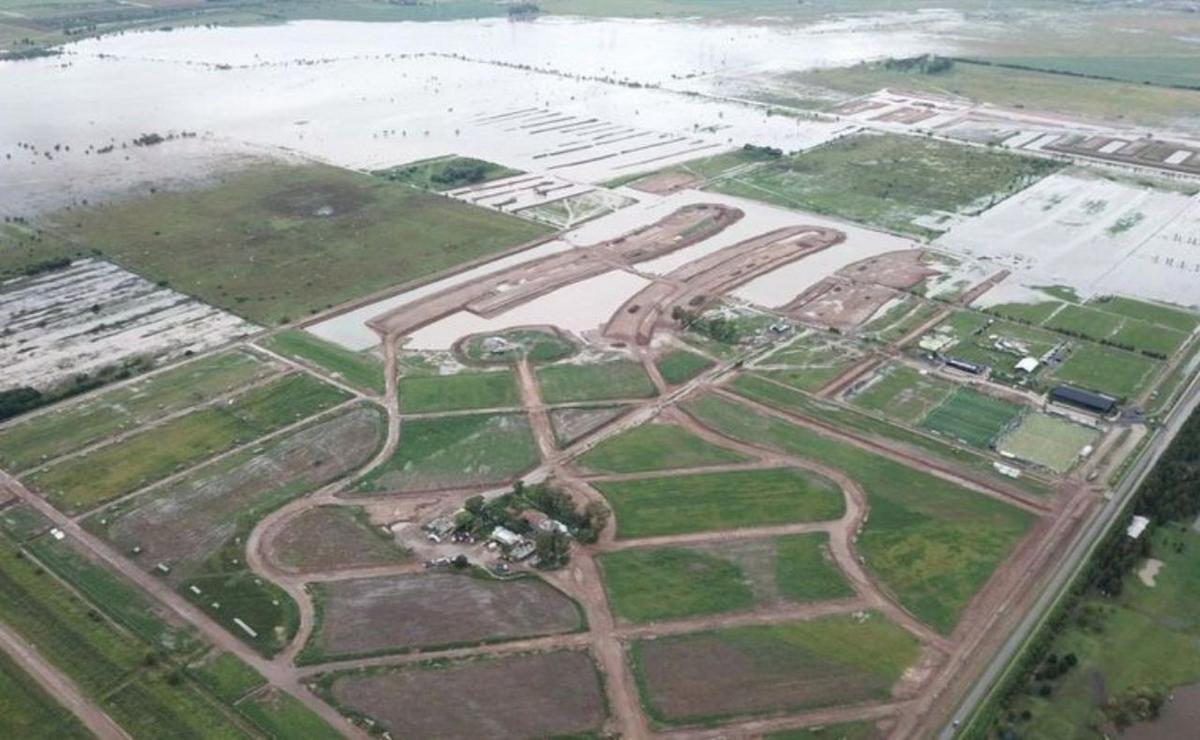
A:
505,537
1137,526
1097,403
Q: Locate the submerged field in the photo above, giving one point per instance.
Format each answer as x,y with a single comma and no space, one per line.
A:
275,243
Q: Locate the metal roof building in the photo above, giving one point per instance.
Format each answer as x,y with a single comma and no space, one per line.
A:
1095,402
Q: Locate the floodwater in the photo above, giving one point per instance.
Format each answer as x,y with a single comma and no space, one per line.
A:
376,94
1180,718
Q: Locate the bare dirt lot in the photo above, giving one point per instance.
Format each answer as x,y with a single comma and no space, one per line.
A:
183,523
333,538
548,694
396,613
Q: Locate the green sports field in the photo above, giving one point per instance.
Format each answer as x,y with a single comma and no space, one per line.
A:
972,417
1049,441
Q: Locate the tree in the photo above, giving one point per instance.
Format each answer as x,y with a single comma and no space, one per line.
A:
553,549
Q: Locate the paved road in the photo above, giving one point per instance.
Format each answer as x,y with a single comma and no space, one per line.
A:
1076,558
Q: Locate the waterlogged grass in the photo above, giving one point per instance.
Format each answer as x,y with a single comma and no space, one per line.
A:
889,181
461,391
76,425
455,451
931,542
673,582
360,369
274,243
904,394
106,473
679,366
603,381
655,446
446,173
649,507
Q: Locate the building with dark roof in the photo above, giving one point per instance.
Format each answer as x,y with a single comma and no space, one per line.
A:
1097,403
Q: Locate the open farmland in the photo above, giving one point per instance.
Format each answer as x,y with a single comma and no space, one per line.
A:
898,183
655,446
653,584
333,538
357,617
706,676
601,381
66,429
94,316
931,542
27,711
320,236
147,456
459,391
663,505
441,452
556,694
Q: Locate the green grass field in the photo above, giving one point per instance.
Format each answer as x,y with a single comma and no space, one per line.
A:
1049,441
446,173
655,446
972,417
275,243
679,366
1113,371
805,571
705,168
1085,322
456,451
1166,316
706,502
781,668
810,361
932,543
852,420
1149,636
458,392
281,715
360,369
225,675
27,711
603,381
889,181
903,393
76,425
124,466
672,583
1033,313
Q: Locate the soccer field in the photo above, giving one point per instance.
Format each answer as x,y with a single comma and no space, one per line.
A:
972,417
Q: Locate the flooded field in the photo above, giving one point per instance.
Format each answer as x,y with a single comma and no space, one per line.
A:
374,95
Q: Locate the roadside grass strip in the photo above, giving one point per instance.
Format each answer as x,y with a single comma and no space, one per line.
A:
82,482
1049,441
932,543
456,451
602,381
706,502
679,366
972,417
709,676
75,425
655,446
28,712
459,392
359,369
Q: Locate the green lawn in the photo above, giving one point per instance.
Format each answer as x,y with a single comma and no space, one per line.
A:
903,393
972,417
28,712
604,381
76,425
805,571
275,243
456,451
932,543
82,482
1113,371
446,173
460,391
655,446
889,181
1050,441
708,502
672,583
360,369
1149,338
679,366
780,668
